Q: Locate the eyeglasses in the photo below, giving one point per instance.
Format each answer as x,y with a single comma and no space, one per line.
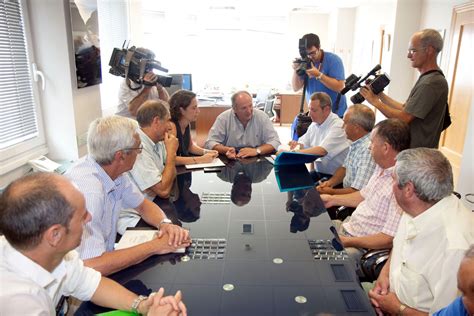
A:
138,149
312,53
411,51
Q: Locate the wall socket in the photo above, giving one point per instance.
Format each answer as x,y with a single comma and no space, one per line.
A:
82,140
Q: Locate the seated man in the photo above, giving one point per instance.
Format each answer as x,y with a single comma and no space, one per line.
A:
154,170
358,166
463,305
241,132
42,217
325,137
132,95
375,220
434,233
113,144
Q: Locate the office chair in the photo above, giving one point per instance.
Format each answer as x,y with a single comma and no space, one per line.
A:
268,109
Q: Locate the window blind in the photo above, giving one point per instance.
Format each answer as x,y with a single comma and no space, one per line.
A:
18,121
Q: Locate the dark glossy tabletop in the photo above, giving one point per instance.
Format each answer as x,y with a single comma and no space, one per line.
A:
269,256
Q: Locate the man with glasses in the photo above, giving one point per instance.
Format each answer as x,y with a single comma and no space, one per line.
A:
154,171
325,75
426,106
113,145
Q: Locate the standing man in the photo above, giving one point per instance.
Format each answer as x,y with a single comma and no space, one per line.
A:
241,132
325,137
359,165
426,106
42,217
325,75
434,233
113,145
154,170
131,95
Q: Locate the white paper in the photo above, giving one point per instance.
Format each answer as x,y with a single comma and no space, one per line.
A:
215,163
135,237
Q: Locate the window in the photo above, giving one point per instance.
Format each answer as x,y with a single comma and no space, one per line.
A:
21,136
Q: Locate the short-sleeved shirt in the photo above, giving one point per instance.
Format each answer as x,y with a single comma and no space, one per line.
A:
104,200
229,131
330,136
427,102
456,308
29,289
359,164
126,95
332,67
379,212
148,168
426,254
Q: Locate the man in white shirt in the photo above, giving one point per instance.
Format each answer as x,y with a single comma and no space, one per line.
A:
325,137
42,216
435,231
154,170
241,132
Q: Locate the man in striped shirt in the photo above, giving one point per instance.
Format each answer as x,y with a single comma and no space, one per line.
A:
375,219
113,145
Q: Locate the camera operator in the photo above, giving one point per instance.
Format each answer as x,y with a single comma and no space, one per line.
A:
325,75
131,96
425,107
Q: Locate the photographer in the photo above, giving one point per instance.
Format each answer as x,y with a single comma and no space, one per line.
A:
425,107
326,74
132,96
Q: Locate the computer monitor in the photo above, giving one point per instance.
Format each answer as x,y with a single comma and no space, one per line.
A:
180,81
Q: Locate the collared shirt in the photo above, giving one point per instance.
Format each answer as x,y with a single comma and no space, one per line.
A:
330,136
427,251
148,167
229,131
126,95
379,212
28,289
104,200
359,164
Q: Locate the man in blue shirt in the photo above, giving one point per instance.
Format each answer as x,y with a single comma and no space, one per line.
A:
325,75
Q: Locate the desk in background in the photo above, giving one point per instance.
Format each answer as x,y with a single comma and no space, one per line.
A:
289,106
206,118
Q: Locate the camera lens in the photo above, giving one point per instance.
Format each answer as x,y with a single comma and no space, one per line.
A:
357,98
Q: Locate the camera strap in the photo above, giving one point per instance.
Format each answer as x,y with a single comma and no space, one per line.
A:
447,117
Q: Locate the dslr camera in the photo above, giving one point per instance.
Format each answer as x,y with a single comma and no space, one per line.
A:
132,64
377,84
304,63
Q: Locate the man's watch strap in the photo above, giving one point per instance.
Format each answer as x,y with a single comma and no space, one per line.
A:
259,151
320,76
164,221
137,302
401,309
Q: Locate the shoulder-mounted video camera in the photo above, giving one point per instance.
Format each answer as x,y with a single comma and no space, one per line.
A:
304,62
377,84
134,63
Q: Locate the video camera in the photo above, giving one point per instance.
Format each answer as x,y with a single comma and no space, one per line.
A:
304,62
134,64
377,84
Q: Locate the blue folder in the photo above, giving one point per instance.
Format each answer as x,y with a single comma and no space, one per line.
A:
291,172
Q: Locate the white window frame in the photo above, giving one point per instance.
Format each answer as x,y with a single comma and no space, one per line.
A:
19,154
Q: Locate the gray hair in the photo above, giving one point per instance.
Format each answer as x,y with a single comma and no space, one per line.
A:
323,98
363,116
151,109
430,37
31,205
428,170
234,97
108,135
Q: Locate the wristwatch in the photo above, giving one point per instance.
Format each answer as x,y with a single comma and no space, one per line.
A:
164,221
259,151
401,309
320,76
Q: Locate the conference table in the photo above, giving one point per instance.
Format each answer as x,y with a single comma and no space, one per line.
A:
255,251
